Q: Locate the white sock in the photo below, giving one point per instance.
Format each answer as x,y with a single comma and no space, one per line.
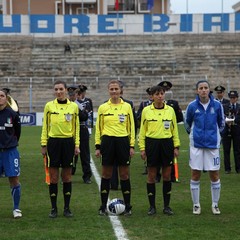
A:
195,192
215,190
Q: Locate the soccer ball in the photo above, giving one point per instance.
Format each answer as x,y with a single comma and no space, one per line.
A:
116,207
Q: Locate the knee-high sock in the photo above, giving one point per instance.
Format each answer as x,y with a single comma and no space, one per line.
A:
67,192
105,186
215,191
126,191
16,194
195,191
53,192
167,187
151,192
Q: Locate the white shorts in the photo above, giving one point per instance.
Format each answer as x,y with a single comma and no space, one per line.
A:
204,159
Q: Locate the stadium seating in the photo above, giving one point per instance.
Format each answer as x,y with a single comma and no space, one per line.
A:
29,65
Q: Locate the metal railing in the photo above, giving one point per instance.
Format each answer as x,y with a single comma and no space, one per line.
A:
33,93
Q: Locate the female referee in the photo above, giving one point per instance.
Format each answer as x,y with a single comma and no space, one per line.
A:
159,144
60,141
114,141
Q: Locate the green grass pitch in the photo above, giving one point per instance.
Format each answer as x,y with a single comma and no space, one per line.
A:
86,224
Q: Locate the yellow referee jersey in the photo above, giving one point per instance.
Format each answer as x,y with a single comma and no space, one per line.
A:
60,121
115,120
158,124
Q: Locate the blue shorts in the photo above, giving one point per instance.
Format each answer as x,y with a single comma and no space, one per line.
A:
10,162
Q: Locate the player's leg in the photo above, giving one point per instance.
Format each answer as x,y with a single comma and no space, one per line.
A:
105,188
11,167
53,190
151,189
115,178
195,191
125,187
167,188
166,161
154,166
67,154
108,156
196,165
215,191
67,190
123,163
212,163
16,195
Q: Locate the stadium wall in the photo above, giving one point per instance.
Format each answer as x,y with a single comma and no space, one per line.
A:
62,25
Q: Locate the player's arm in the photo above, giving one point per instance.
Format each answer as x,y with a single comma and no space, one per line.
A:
17,126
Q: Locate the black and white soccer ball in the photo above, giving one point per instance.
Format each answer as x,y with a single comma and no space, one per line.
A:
116,207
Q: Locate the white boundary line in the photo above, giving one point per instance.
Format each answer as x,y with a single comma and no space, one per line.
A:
120,233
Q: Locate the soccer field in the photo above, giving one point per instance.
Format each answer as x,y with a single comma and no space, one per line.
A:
86,224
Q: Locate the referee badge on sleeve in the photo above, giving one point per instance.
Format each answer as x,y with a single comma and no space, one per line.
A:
68,117
121,118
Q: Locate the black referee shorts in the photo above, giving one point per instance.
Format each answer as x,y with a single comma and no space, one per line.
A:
60,152
159,152
115,150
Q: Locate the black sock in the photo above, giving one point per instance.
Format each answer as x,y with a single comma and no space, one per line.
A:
167,187
126,191
53,192
105,186
151,191
67,192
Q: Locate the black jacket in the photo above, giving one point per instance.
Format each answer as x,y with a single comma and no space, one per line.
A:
178,111
10,128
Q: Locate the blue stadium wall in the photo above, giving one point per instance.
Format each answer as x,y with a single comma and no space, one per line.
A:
58,25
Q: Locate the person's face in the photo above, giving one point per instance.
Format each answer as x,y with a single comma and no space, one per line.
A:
233,100
60,91
158,97
83,94
3,99
114,90
203,90
150,97
79,96
220,95
73,97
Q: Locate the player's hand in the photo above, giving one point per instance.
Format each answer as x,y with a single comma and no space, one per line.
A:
176,152
143,155
44,150
76,151
97,153
132,152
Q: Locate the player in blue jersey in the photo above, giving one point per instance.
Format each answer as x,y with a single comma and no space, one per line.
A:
204,120
10,131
